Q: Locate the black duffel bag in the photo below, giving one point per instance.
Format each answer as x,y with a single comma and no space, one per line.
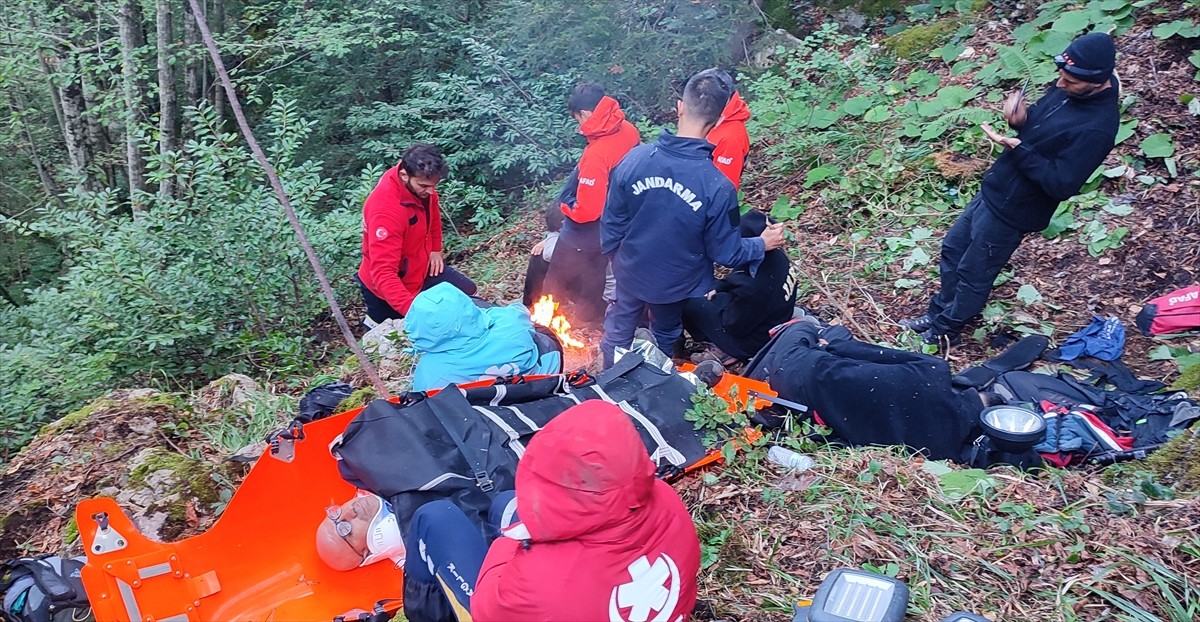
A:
464,445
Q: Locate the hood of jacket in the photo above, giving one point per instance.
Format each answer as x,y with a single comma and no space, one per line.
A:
683,147
586,473
605,119
735,110
443,318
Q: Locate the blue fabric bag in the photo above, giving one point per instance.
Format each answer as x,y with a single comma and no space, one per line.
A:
1103,339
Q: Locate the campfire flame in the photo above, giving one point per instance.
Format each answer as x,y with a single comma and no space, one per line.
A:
545,312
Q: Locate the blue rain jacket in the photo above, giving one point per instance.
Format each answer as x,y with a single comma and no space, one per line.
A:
460,342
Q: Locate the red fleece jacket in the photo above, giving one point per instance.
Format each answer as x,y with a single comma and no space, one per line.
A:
732,142
399,232
606,539
609,138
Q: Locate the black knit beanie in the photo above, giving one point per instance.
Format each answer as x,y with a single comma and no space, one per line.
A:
1094,55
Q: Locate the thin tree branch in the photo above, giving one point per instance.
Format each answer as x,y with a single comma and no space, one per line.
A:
236,106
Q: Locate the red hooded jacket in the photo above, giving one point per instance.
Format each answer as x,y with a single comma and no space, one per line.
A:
607,540
732,142
399,232
609,138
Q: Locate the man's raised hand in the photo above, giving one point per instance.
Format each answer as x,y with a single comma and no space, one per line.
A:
773,236
1014,109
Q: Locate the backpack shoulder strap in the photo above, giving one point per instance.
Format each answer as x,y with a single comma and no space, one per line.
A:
447,407
1020,355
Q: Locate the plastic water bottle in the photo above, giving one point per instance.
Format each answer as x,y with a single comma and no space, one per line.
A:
791,460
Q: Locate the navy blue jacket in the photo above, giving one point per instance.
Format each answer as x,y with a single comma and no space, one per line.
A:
1063,141
669,216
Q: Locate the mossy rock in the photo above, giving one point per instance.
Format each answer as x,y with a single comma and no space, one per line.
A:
73,419
1178,462
190,478
916,42
1188,381
357,399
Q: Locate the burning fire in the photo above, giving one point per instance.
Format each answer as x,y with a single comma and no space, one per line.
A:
545,312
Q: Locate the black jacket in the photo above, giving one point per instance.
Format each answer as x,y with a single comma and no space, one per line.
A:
758,303
869,394
1064,139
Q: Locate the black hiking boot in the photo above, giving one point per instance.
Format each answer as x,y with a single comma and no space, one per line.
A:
917,324
942,341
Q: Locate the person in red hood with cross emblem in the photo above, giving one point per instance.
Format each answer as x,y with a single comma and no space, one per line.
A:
591,534
578,269
402,236
731,141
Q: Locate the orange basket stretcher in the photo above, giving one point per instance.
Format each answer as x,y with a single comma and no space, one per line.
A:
259,560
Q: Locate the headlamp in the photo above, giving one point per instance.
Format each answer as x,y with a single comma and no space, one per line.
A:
1013,429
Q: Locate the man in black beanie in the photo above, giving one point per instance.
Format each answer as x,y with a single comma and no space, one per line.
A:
1060,142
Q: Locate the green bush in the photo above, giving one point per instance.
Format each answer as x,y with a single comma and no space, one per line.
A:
210,283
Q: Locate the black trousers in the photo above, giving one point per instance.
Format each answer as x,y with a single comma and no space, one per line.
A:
379,310
577,271
973,254
535,279
702,320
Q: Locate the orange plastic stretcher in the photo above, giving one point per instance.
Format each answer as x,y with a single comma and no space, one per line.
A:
259,561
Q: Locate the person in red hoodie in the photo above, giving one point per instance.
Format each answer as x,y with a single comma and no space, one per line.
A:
402,236
592,535
731,142
578,268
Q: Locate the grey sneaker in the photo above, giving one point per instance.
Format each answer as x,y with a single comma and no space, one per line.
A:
917,324
709,372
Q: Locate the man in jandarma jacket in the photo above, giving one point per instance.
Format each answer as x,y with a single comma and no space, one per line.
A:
670,215
1060,142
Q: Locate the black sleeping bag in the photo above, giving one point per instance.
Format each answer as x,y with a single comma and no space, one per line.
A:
868,394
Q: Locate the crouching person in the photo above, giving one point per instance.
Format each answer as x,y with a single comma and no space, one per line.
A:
736,317
591,534
460,342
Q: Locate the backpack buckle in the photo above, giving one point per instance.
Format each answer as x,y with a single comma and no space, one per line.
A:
483,481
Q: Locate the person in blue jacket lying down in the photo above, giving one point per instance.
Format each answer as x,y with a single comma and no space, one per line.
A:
460,342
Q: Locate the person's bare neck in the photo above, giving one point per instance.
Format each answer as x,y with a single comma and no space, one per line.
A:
692,129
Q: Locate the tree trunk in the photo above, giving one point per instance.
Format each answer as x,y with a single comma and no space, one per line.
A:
74,134
97,140
129,23
193,71
216,24
166,95
18,107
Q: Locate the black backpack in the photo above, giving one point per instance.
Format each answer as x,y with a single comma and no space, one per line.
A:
44,589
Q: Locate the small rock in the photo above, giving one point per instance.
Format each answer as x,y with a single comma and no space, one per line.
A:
144,426
386,338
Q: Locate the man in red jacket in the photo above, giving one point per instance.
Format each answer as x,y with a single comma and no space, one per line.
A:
402,236
598,536
578,268
731,142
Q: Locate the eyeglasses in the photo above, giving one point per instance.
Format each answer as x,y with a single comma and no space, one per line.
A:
334,514
1065,63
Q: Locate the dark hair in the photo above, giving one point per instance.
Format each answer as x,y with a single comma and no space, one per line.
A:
422,160
706,94
554,217
585,97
